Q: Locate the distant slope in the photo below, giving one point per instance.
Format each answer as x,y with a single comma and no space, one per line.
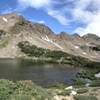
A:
15,28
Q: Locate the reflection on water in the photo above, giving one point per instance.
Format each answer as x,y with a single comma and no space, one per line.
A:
43,74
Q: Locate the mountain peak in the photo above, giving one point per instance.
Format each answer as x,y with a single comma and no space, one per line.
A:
15,28
91,36
9,20
76,35
64,35
41,28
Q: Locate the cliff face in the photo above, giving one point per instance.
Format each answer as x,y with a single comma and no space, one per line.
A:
15,28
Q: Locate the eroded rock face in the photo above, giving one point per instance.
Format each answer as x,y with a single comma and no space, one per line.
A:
19,29
92,38
43,29
8,20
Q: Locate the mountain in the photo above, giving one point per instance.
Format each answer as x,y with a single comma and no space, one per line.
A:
15,29
92,38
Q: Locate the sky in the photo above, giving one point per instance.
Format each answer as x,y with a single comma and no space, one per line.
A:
71,16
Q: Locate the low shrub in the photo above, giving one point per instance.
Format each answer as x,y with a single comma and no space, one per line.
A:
56,56
64,93
22,97
95,83
82,90
84,97
79,82
22,90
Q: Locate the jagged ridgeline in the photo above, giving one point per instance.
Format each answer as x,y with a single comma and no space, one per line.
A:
22,38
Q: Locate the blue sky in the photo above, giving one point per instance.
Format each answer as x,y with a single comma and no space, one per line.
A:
71,16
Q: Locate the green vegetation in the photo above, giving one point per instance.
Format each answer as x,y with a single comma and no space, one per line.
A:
95,83
22,90
4,38
65,93
23,97
4,43
58,86
54,56
78,82
89,75
86,74
2,33
27,90
82,90
84,97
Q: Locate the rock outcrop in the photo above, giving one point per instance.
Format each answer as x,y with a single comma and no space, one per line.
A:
15,28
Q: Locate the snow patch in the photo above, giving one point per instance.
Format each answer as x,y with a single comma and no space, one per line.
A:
84,53
57,45
77,47
46,38
5,19
69,88
97,75
73,92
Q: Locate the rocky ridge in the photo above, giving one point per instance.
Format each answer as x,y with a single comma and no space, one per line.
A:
15,28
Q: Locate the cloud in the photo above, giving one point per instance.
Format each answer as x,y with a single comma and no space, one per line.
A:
41,22
88,13
47,5
58,16
8,10
37,21
67,12
93,26
34,3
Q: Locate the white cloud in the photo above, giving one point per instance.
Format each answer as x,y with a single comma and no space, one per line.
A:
92,27
47,6
59,16
82,15
86,12
37,21
41,22
8,10
90,18
34,3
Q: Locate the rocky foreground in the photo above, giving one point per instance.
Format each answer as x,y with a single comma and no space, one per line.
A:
27,90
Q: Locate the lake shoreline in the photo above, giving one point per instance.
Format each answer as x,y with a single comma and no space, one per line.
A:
24,64
51,61
38,61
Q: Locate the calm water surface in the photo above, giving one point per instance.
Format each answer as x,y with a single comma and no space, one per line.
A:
42,74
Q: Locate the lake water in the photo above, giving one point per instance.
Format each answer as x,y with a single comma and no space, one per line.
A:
42,74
